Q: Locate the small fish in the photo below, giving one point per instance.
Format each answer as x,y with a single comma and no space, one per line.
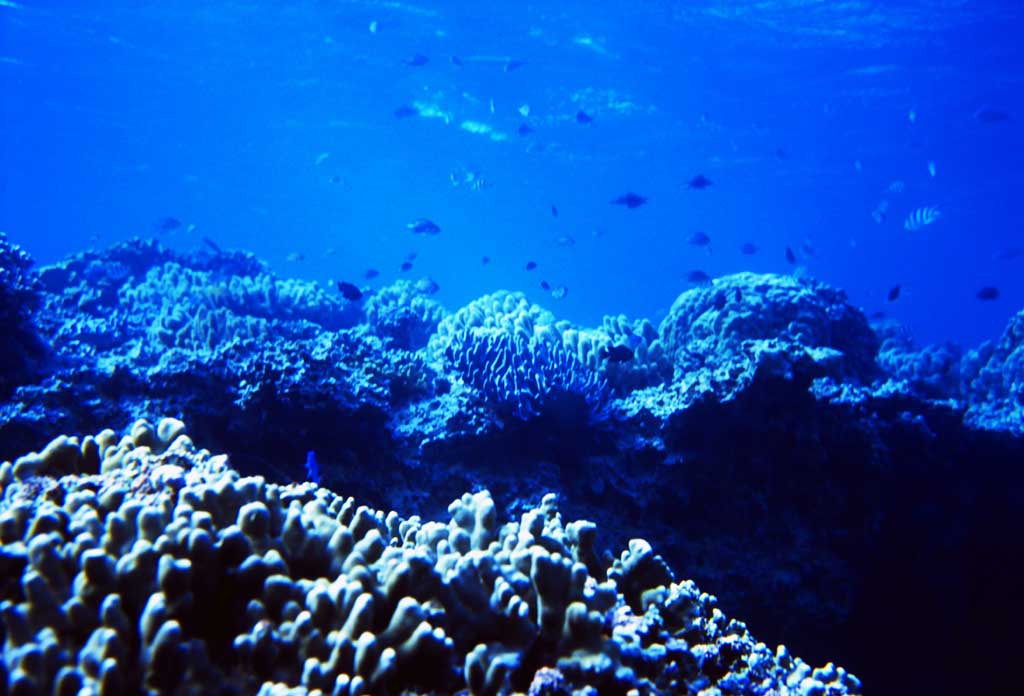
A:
617,353
545,285
893,294
374,26
554,211
989,115
295,257
524,110
411,256
213,245
514,65
877,315
698,277
531,265
336,180
583,117
630,200
168,224
699,182
807,248
406,266
406,111
790,256
370,273
781,154
748,249
921,217
1009,253
699,239
416,61
912,116
312,468
349,291
897,186
524,129
321,158
880,213
566,240
931,168
560,292
858,165
485,260
988,293
423,226
455,60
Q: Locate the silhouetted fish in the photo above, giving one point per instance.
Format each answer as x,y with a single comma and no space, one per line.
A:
554,211
349,291
893,294
168,224
406,266
545,285
748,248
921,217
531,265
699,182
213,245
583,117
630,200
699,239
370,273
514,65
524,129
988,293
989,115
617,353
455,60
417,60
406,111
790,256
698,276
423,226
782,154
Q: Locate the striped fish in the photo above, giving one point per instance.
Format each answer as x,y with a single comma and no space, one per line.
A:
924,215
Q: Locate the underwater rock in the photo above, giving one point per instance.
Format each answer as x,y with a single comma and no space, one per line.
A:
993,381
23,350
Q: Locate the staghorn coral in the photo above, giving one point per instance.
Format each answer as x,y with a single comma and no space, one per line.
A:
404,313
525,379
171,573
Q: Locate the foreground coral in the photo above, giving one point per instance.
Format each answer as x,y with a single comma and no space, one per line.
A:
146,565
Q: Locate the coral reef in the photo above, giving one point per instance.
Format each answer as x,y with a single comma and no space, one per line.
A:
19,298
405,313
527,378
171,572
993,380
932,371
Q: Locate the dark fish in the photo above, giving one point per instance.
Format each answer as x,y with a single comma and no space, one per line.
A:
894,293
424,226
790,256
411,256
554,211
455,60
988,293
514,65
370,273
416,61
336,179
213,245
349,291
168,224
699,182
406,111
545,285
699,239
583,117
617,353
877,315
989,115
748,249
560,292
531,265
406,266
782,154
524,129
312,468
630,200
485,260
807,248
1009,253
698,276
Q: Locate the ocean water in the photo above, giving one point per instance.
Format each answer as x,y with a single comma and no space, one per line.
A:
272,127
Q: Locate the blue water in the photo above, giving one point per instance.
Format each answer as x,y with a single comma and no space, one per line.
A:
271,127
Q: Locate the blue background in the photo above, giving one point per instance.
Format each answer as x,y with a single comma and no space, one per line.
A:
115,115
